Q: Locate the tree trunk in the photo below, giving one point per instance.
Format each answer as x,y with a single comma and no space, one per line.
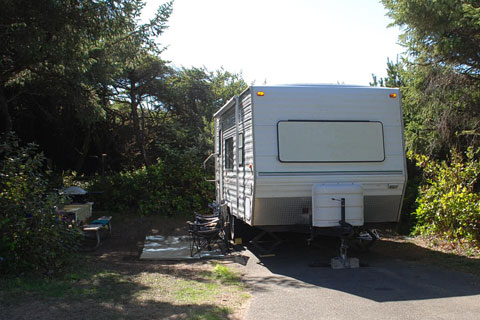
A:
136,123
5,119
85,148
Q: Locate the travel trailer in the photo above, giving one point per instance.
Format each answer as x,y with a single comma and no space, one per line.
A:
287,158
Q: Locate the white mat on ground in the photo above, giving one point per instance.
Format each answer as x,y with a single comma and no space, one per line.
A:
172,248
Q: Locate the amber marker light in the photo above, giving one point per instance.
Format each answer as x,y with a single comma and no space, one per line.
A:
393,95
260,93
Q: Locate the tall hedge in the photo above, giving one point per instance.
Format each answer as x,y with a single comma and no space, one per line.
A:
175,185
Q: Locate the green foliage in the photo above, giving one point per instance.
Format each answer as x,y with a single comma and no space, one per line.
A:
409,205
175,185
440,86
438,78
441,110
86,82
72,178
395,75
444,31
61,62
32,239
448,205
224,274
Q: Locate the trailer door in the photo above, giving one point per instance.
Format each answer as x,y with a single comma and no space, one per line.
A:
219,187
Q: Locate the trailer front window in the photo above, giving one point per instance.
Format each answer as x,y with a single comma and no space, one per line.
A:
330,141
229,153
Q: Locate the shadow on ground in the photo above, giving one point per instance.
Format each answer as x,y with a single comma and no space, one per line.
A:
392,271
111,283
145,310
114,291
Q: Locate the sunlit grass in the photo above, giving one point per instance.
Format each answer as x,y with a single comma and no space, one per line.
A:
224,274
195,291
207,291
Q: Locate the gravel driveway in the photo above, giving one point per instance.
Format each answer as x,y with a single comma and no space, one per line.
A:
287,286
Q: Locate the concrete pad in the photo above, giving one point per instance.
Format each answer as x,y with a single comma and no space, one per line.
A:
172,248
339,263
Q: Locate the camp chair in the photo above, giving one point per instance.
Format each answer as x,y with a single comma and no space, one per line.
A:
206,233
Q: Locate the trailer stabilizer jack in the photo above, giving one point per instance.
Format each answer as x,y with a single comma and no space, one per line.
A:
346,231
342,261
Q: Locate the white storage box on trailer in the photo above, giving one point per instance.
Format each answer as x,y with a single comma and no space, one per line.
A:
326,204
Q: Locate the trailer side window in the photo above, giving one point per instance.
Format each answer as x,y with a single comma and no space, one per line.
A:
241,153
229,153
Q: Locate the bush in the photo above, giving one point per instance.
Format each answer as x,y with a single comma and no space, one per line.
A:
175,185
32,239
448,206
409,205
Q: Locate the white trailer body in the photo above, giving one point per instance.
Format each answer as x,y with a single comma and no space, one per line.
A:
286,154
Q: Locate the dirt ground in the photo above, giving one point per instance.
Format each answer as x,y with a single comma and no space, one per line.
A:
428,251
123,287
117,285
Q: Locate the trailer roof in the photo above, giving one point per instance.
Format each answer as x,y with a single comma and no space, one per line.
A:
231,102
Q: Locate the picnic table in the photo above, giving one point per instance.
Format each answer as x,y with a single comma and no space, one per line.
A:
95,226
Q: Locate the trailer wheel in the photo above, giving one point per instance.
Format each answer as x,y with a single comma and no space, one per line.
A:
231,229
229,225
237,229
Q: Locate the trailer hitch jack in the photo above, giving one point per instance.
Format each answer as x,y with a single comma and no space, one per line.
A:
346,231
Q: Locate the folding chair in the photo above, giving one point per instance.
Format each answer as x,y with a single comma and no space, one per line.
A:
206,233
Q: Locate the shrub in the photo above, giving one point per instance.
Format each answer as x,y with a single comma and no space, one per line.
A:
448,205
32,239
175,185
409,205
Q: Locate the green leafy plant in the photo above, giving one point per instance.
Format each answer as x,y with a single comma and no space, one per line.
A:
448,205
172,186
224,274
32,238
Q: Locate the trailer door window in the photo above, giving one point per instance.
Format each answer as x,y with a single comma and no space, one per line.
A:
241,153
330,141
229,153
220,142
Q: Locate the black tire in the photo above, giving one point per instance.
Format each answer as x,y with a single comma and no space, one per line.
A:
237,228
231,228
229,225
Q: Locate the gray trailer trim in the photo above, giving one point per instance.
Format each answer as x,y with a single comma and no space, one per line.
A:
328,173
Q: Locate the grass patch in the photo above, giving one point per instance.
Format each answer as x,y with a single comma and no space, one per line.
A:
196,292
89,282
112,284
216,314
226,275
17,287
211,284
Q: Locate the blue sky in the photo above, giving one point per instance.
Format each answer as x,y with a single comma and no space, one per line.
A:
279,42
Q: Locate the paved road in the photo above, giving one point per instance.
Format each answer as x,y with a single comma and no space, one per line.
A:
288,287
